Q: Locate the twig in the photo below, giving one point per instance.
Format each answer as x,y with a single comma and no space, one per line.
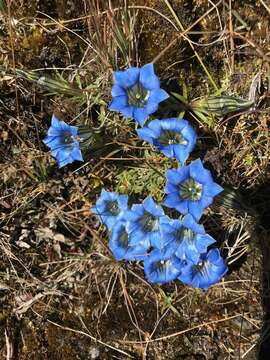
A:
8,346
183,331
264,4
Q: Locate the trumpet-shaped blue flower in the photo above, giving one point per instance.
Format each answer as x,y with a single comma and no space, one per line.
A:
190,189
137,93
143,222
110,207
161,267
63,141
174,137
186,239
208,271
120,244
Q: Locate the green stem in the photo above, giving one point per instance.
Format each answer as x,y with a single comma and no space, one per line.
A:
191,45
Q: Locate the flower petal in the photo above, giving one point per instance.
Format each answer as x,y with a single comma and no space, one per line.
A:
152,207
212,189
177,176
151,107
158,95
195,209
76,154
199,173
127,77
117,90
118,103
127,111
189,222
146,134
148,77
140,115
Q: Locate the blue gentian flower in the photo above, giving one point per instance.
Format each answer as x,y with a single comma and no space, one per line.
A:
143,222
161,268
174,137
137,93
186,239
208,271
63,141
110,207
190,189
120,245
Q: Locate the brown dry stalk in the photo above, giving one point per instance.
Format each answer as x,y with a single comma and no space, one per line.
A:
183,331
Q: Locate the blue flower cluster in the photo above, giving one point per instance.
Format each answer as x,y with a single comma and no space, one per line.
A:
170,248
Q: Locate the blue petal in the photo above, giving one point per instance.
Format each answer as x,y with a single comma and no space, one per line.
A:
140,115
109,221
127,111
118,103
73,130
177,176
171,200
186,275
171,188
189,133
53,141
199,173
56,122
55,132
148,78
203,241
139,237
146,134
176,124
189,222
152,207
158,95
151,107
157,240
76,154
212,189
123,201
105,195
65,127
167,150
127,78
132,216
182,207
155,125
205,201
118,90
180,153
62,155
155,273
213,255
138,252
195,209
138,208
63,162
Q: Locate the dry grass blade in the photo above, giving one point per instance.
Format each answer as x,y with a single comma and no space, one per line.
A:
183,331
